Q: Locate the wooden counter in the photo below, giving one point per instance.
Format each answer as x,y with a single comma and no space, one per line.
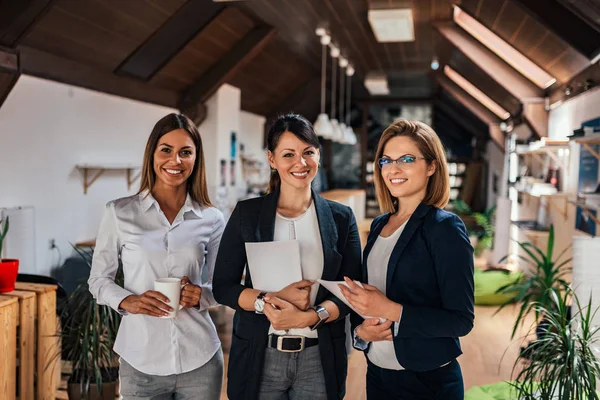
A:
353,198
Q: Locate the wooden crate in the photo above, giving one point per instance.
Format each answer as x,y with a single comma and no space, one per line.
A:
26,342
9,311
47,346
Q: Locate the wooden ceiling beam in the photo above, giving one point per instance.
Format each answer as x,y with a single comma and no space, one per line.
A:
243,51
515,83
304,91
476,108
10,71
460,119
170,39
49,66
17,17
568,26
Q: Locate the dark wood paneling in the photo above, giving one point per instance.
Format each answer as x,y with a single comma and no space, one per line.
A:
517,27
99,34
586,79
587,10
470,71
568,26
49,66
166,42
17,17
10,71
241,54
202,52
270,77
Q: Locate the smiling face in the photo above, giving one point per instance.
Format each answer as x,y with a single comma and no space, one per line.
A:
296,161
174,158
410,179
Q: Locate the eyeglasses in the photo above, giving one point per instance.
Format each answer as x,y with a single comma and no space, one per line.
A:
406,161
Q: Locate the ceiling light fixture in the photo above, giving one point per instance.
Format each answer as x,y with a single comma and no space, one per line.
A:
392,25
377,84
476,93
322,125
335,127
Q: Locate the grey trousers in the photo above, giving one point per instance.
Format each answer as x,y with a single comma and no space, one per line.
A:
293,376
202,383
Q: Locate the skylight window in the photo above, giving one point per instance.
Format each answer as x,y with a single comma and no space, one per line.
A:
476,93
503,50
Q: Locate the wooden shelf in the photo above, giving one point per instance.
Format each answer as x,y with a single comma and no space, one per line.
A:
99,169
589,139
548,150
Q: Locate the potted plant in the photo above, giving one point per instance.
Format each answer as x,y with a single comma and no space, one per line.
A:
565,363
482,232
534,291
88,333
9,268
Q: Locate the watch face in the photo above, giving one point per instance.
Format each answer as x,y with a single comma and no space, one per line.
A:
322,313
259,305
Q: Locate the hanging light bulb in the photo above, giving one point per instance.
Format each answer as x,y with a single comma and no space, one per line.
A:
322,125
342,132
352,140
335,53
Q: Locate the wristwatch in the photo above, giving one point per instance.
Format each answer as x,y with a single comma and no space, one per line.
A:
323,315
259,303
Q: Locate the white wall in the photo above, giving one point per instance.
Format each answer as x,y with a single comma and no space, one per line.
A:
251,134
46,128
572,113
495,159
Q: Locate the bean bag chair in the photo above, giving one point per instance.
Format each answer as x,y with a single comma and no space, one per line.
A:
487,284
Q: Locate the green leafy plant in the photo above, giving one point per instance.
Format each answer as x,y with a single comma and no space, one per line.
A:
565,362
88,334
535,290
3,232
485,227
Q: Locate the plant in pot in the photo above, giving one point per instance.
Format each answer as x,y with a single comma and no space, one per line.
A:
534,291
482,229
88,333
9,268
565,364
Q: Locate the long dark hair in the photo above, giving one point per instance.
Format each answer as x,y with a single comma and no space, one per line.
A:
300,127
196,183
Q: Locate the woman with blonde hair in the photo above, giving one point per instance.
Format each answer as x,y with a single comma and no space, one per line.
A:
168,230
418,263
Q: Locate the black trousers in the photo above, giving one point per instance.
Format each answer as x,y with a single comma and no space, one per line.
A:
445,383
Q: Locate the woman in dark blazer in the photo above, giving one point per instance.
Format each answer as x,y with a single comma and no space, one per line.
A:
295,350
418,263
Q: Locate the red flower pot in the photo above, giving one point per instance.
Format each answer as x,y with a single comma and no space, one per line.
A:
8,274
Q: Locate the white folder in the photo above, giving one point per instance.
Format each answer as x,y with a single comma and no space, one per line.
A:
274,265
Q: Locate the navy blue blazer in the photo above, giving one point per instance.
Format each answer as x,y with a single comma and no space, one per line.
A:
254,221
430,273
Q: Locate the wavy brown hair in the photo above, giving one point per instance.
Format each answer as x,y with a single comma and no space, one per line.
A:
196,183
430,145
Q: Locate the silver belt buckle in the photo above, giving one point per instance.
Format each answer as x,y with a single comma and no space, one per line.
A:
280,343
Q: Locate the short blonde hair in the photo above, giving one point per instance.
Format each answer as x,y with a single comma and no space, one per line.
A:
428,142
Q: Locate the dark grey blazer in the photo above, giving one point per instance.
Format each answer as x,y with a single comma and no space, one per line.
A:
254,221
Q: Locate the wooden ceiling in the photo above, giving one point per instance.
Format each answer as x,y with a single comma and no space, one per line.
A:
177,52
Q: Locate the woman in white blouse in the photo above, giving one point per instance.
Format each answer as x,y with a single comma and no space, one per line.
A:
168,229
